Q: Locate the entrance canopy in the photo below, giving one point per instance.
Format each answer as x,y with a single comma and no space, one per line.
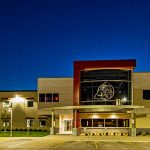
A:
97,108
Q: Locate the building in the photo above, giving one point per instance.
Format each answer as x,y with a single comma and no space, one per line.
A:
105,97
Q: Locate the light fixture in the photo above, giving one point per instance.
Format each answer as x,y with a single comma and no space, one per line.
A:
124,99
18,99
113,116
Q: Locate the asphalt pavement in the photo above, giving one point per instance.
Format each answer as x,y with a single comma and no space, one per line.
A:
69,142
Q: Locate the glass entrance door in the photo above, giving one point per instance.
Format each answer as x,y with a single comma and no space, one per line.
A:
67,125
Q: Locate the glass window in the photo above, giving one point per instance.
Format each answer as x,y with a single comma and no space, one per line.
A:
146,94
41,97
29,122
6,104
86,122
42,123
86,76
98,122
6,123
123,122
86,91
103,87
48,97
55,97
30,103
110,122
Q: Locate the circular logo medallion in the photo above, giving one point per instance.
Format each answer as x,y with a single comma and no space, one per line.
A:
104,92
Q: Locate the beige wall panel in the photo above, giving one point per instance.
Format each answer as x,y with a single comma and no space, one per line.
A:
63,86
20,110
143,122
141,81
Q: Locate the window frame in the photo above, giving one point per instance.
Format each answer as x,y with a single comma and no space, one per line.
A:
54,97
30,123
6,105
28,105
40,123
146,94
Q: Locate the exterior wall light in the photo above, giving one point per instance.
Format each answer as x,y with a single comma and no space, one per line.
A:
124,99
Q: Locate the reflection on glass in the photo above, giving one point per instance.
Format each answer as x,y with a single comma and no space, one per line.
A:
110,123
98,122
86,122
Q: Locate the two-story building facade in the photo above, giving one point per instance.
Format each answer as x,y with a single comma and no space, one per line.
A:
104,97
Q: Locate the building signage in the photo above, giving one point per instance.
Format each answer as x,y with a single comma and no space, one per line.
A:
104,92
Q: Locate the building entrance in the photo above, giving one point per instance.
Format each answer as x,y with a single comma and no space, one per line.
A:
67,125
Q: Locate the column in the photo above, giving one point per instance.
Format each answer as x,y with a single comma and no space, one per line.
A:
133,124
52,126
75,128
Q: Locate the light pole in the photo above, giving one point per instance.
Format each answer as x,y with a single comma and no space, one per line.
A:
16,99
10,110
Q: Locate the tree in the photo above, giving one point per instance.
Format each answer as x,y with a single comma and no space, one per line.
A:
4,119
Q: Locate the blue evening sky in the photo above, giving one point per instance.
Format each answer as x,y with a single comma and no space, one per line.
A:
42,38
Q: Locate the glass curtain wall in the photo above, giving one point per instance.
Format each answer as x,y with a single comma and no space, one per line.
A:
105,87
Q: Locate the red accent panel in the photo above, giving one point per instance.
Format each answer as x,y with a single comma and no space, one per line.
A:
82,65
77,125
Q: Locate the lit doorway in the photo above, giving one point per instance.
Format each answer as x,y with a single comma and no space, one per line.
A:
67,125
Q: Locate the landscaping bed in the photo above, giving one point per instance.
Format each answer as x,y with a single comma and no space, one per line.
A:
24,133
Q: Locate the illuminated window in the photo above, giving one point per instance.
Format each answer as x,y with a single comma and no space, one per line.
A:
55,97
110,123
49,97
6,123
29,122
123,122
98,122
6,104
86,122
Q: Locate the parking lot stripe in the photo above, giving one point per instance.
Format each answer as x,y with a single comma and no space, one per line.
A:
15,145
96,147
59,144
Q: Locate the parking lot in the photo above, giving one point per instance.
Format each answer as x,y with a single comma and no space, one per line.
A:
61,142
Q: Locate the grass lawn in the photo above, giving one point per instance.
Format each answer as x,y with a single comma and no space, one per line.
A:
24,133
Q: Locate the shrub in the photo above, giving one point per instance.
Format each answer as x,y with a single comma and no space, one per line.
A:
144,134
106,133
20,129
139,133
147,133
